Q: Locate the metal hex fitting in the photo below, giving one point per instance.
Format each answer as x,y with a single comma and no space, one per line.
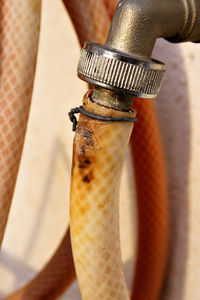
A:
124,63
116,71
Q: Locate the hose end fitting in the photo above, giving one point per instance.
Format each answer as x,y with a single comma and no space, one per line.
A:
114,70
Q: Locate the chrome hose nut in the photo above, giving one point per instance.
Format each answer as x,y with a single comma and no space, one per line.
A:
122,73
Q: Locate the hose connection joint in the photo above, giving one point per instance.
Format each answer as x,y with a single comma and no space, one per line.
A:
124,63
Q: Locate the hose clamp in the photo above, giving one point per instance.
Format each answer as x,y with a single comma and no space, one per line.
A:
119,72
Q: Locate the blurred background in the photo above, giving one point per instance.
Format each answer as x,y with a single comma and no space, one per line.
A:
40,209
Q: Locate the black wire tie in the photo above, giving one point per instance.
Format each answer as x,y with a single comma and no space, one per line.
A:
80,109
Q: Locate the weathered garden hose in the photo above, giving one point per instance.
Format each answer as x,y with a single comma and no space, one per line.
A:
98,154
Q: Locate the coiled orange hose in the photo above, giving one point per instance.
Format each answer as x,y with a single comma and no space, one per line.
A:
151,188
152,210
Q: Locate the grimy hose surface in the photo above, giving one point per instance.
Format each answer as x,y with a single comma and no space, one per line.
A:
98,154
91,21
152,210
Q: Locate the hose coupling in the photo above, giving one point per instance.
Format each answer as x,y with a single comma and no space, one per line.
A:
115,70
123,64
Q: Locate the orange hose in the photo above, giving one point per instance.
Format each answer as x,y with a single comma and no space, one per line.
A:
152,210
92,24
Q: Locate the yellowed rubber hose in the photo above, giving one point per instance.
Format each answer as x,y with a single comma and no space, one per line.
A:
19,32
98,154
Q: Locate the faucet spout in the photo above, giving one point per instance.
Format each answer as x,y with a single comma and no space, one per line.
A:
138,23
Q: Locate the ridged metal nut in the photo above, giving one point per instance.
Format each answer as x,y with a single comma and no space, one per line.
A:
116,71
